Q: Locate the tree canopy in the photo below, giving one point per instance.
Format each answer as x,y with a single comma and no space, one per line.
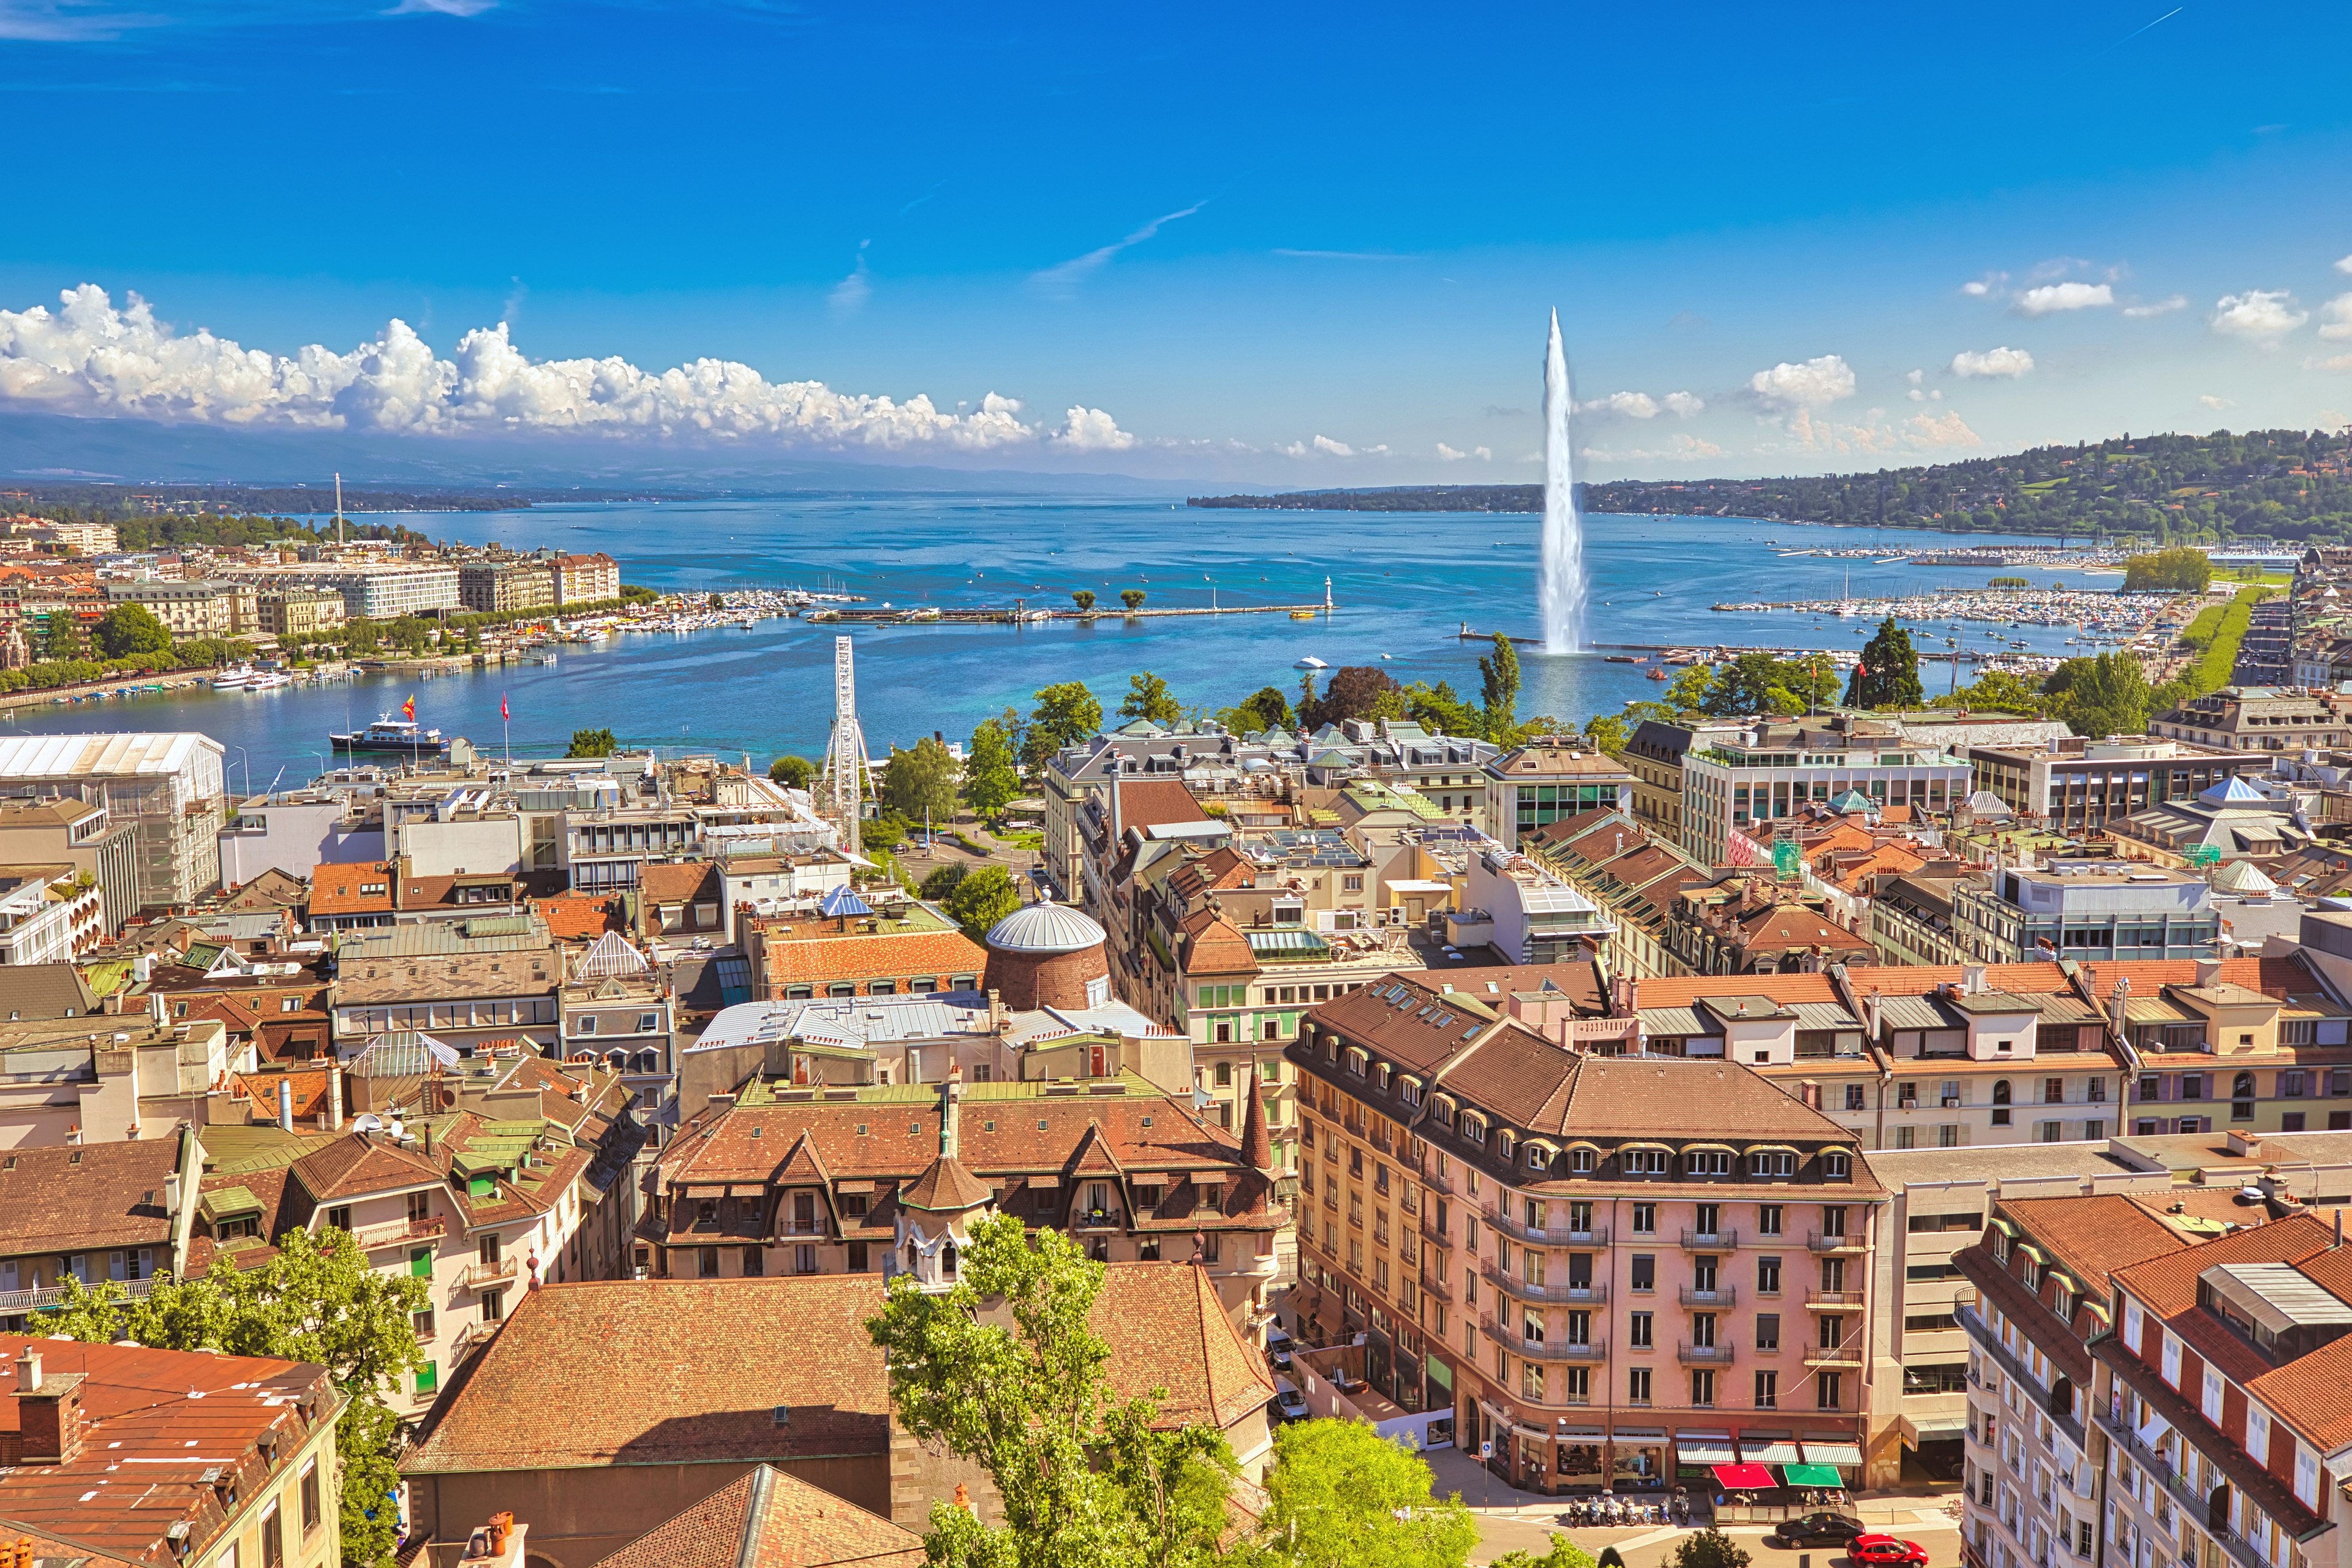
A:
920,785
128,630
1499,685
2107,694
1131,597
1354,691
1888,675
1148,697
1265,709
992,779
1065,714
592,743
980,897
792,772
2184,569
1343,1496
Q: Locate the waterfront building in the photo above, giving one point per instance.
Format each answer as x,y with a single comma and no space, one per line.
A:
383,591
594,579
805,1178
1613,859
2082,910
193,609
2041,1277
499,587
852,948
113,1211
2077,784
168,788
1591,1271
1549,777
262,1486
299,611
2244,720
1767,770
799,1386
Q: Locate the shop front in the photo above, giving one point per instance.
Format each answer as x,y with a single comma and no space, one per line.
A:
1638,1460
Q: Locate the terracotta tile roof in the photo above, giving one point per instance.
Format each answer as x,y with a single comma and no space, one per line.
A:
1220,869
1794,925
92,1195
1920,979
574,918
881,955
769,1519
2093,1237
171,1418
1167,1317
1211,944
798,1341
2168,1283
335,889
944,1186
311,1092
685,882
1786,989
2275,977
1491,982
1154,803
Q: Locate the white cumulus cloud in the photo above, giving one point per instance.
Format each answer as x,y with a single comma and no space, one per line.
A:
1324,443
2216,403
1992,363
1682,450
2335,319
89,356
2262,314
1683,403
2163,306
1920,392
2045,297
1930,432
1631,405
2343,264
1811,384
1447,454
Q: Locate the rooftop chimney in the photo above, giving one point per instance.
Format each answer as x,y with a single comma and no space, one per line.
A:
286,1105
498,1544
2208,971
49,1413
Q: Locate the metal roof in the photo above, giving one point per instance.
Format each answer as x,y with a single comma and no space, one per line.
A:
1824,1016
1918,1013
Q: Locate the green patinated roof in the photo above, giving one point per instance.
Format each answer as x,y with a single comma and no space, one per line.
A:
222,1203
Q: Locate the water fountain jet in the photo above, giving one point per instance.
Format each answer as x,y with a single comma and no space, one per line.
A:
1562,588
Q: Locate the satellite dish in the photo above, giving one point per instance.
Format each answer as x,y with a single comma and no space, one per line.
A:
367,1121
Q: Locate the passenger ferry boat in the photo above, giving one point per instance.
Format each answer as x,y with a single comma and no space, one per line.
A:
389,734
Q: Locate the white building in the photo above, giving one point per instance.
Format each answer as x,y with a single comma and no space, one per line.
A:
169,786
389,591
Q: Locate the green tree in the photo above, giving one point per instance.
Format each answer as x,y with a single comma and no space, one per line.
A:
1342,1496
1131,597
982,898
943,880
128,630
1498,687
1707,1549
1265,709
1354,691
715,601
1005,1369
1065,714
1564,1554
1439,710
1692,691
991,780
2183,570
1997,691
316,1300
1758,683
885,831
792,772
920,785
1148,697
592,743
62,638
1609,731
1888,675
2107,694
1085,599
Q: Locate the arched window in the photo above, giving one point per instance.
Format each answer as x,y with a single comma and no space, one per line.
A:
947,1261
2241,1097
2000,1102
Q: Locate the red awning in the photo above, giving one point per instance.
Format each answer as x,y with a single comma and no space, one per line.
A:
1743,1477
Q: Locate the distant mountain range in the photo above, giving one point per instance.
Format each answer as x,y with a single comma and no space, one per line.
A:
2277,484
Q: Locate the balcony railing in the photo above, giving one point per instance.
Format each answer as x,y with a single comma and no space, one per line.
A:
1438,1183
1435,1288
1720,1296
1108,1220
1833,1300
790,1227
1981,1335
479,1274
1848,1353
1720,1240
470,1339
13,1302
1704,1355
2193,1502
1548,1350
1822,1242
1511,1284
1512,1225
400,1232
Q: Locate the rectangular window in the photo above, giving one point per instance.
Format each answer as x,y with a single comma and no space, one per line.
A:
428,1377
310,1515
1637,1385
273,1539
1767,1390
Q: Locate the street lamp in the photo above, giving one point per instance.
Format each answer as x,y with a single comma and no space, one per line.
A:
246,763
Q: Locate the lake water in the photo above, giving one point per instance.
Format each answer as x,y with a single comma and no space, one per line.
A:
1403,585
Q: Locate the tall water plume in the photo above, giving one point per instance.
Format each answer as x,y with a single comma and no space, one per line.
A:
1562,584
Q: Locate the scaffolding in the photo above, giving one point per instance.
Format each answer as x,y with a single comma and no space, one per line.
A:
848,774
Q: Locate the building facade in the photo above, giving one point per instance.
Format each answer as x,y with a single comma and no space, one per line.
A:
1548,778
2075,785
500,587
585,579
2085,909
1763,774
200,609
300,612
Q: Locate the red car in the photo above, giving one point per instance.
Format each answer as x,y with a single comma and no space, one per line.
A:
1886,1552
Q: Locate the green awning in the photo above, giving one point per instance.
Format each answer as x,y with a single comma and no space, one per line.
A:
1810,1475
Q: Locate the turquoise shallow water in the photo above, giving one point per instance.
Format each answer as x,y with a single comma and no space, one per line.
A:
1403,585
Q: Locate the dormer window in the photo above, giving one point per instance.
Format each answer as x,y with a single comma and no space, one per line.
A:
1474,1127
1384,1077
1409,1092
1505,1144
1837,1164
1357,1059
1707,1162
1539,1157
1440,1111
1579,1161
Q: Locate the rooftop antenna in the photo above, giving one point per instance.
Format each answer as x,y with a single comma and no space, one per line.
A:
847,770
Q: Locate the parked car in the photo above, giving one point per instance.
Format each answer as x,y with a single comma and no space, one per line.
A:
1289,1405
1823,1529
1888,1552
1278,1346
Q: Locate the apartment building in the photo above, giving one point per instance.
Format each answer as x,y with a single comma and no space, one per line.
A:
2074,784
2042,1293
261,1488
499,587
1634,875
45,917
2247,719
1548,778
852,949
199,609
2219,1396
617,1009
386,591
300,612
586,579
1523,909
168,787
1079,777
1915,917
2255,1044
43,830
463,982
808,1179
1763,772
2085,909
1757,924
1591,1271
124,1212
609,848
1655,757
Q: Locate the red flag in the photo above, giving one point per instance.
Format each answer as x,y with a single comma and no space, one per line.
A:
408,709
502,706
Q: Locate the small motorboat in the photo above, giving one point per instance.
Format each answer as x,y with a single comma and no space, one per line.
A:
1311,662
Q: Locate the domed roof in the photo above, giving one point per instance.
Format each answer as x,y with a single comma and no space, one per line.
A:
1044,927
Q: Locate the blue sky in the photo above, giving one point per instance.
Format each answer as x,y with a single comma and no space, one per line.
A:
1188,241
